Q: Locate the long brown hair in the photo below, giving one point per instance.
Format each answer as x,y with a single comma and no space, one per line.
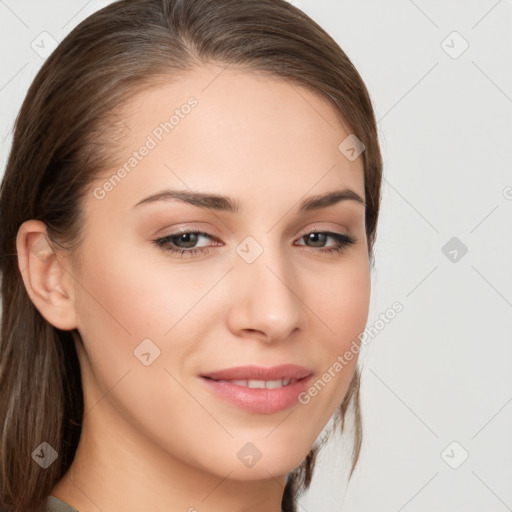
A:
63,140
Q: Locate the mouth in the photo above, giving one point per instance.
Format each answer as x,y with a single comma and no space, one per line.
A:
258,389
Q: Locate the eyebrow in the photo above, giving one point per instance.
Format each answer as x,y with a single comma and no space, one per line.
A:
224,203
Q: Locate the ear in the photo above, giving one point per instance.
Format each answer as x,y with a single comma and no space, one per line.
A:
47,282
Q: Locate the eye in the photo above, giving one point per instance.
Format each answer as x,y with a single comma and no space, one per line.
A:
185,242
319,239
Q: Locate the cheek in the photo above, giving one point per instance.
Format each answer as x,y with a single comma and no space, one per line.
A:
341,300
126,293
342,303
126,300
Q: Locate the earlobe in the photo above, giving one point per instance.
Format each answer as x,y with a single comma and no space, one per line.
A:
44,275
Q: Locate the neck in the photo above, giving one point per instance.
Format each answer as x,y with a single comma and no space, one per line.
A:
118,468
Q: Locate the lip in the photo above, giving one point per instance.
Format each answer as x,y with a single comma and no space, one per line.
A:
260,400
283,371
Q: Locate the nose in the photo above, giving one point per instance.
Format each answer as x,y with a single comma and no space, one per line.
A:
267,301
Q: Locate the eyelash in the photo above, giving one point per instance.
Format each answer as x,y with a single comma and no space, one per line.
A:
344,241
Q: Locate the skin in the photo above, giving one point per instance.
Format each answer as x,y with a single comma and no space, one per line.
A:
154,437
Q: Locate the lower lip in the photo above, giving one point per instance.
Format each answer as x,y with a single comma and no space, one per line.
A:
260,400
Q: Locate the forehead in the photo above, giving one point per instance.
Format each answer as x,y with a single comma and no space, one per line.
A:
232,132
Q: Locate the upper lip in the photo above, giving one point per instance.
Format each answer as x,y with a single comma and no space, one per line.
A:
284,371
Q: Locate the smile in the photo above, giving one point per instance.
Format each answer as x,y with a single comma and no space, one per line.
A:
260,384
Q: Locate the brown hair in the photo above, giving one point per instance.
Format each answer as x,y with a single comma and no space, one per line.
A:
60,146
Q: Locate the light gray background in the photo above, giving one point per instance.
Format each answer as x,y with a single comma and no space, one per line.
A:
441,370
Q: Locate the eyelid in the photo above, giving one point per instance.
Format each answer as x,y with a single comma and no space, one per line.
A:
199,227
317,228
215,240
193,229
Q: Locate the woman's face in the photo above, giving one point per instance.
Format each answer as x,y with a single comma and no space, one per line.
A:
251,290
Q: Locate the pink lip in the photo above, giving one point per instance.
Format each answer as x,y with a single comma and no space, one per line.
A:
261,400
284,371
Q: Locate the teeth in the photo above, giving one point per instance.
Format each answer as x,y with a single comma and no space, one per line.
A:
256,384
272,384
260,384
238,382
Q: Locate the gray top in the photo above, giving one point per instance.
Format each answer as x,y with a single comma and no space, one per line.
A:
53,504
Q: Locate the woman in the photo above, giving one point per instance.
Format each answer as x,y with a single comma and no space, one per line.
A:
188,217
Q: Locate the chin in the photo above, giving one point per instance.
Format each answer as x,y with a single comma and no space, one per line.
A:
262,471
262,459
